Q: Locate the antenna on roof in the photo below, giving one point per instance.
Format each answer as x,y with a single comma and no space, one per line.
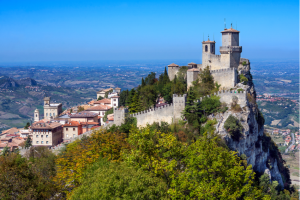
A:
224,23
231,25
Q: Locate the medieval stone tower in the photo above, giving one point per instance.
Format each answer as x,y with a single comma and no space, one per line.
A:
36,116
51,110
230,51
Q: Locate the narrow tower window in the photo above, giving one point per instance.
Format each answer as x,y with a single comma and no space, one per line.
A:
212,49
205,48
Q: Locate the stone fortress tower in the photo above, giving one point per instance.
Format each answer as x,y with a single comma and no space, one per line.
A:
223,67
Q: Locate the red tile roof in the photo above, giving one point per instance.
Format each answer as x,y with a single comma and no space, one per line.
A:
72,123
173,65
208,41
193,70
83,114
89,123
191,63
105,101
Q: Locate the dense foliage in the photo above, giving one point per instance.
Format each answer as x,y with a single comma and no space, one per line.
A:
233,127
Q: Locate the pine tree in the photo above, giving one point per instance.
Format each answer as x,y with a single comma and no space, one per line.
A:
192,110
143,82
28,142
135,104
166,77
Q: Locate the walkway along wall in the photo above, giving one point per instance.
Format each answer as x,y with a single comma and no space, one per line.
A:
173,112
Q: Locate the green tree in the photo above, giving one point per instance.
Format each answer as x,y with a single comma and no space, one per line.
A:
135,105
80,108
5,151
111,111
143,82
28,142
234,127
106,180
212,172
192,110
100,98
27,125
156,152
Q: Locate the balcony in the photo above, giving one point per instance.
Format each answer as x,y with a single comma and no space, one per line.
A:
230,48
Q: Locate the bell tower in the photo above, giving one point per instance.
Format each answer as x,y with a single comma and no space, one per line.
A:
36,116
208,50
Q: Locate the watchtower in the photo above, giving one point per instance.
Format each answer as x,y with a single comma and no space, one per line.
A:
172,71
230,49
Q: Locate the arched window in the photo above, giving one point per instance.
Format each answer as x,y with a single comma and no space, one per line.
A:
205,48
36,115
46,114
212,49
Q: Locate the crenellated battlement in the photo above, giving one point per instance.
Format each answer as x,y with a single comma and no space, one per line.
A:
222,70
227,95
155,109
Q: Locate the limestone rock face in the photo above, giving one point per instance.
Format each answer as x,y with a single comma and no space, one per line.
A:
249,144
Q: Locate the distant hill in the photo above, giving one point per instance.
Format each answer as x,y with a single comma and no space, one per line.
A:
7,82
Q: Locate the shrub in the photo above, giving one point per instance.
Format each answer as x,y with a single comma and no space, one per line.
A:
234,105
244,63
240,90
234,127
210,105
243,79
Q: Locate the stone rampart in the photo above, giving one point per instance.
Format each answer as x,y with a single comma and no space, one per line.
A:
227,78
226,97
159,114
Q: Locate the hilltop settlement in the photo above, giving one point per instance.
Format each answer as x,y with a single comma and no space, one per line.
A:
217,94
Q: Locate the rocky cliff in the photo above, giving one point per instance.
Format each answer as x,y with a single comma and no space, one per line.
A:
261,152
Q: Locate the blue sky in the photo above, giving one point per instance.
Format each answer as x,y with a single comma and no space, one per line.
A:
135,30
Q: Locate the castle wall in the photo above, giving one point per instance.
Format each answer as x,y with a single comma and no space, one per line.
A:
226,97
235,59
227,78
163,113
172,71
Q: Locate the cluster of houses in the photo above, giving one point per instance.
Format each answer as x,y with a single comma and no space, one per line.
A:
288,139
57,126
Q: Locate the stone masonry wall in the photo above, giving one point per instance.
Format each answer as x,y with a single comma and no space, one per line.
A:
227,78
163,113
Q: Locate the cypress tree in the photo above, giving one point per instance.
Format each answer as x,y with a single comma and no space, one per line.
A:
28,142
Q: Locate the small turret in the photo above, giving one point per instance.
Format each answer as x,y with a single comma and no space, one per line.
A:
172,71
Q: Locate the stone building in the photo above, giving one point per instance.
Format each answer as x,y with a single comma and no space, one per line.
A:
51,110
224,67
46,133
71,130
100,111
85,116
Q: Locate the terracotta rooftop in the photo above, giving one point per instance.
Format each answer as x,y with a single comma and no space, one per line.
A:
231,30
99,108
115,97
173,65
10,131
106,90
72,123
83,114
89,123
191,63
193,70
105,101
117,88
45,125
